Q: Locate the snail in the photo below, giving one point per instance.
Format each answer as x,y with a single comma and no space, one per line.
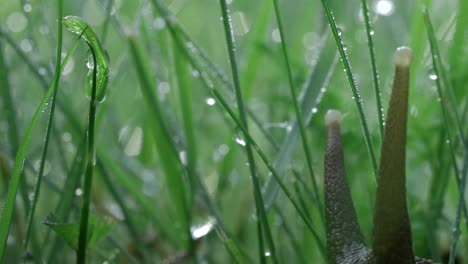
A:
391,234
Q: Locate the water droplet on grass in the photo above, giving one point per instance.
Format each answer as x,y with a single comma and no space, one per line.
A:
78,192
210,101
17,22
27,8
275,35
240,25
240,141
433,76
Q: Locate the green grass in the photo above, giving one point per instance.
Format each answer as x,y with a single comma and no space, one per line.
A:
206,121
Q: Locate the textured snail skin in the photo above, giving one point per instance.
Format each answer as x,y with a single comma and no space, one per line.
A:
391,235
344,237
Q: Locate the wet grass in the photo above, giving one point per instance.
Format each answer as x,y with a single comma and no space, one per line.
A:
210,138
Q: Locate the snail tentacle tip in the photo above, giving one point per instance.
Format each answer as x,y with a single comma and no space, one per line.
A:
403,56
333,116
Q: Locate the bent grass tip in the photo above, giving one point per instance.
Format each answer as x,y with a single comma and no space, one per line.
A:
79,27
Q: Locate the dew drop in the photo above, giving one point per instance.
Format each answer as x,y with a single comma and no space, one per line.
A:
339,31
17,22
275,35
27,8
433,76
26,45
240,25
384,7
210,101
78,192
240,141
159,23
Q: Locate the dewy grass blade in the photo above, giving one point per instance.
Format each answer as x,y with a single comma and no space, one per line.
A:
8,206
375,73
263,220
19,161
297,109
442,74
49,126
352,83
461,182
272,170
445,112
98,78
35,70
78,26
312,96
220,98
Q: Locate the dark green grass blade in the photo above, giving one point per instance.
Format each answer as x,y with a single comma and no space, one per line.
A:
354,88
55,84
375,73
298,112
263,220
90,162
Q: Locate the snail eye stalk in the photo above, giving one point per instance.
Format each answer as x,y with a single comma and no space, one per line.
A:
344,237
391,236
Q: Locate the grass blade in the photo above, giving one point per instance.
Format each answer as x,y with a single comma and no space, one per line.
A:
263,220
375,73
55,84
7,211
297,109
352,83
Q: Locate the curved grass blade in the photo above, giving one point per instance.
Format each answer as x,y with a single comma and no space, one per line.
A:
98,78
78,26
354,88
